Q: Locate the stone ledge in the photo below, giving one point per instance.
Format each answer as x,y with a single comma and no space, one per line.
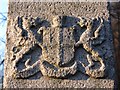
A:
59,83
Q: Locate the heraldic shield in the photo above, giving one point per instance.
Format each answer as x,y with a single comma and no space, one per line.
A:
58,50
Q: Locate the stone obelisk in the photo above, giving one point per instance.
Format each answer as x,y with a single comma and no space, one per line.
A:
59,45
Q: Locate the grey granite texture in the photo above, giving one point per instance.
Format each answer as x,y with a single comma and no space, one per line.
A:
24,44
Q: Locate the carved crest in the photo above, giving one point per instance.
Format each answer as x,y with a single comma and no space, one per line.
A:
55,47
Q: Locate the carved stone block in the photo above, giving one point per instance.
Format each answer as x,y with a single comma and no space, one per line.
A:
59,45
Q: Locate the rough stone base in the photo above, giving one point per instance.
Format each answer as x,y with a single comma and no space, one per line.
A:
59,83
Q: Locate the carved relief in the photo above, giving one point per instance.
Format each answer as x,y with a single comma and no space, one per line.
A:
58,44
87,40
55,47
26,43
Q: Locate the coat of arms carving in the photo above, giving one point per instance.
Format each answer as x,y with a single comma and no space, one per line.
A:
51,48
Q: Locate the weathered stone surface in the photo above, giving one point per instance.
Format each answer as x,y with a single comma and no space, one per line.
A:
59,45
46,82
